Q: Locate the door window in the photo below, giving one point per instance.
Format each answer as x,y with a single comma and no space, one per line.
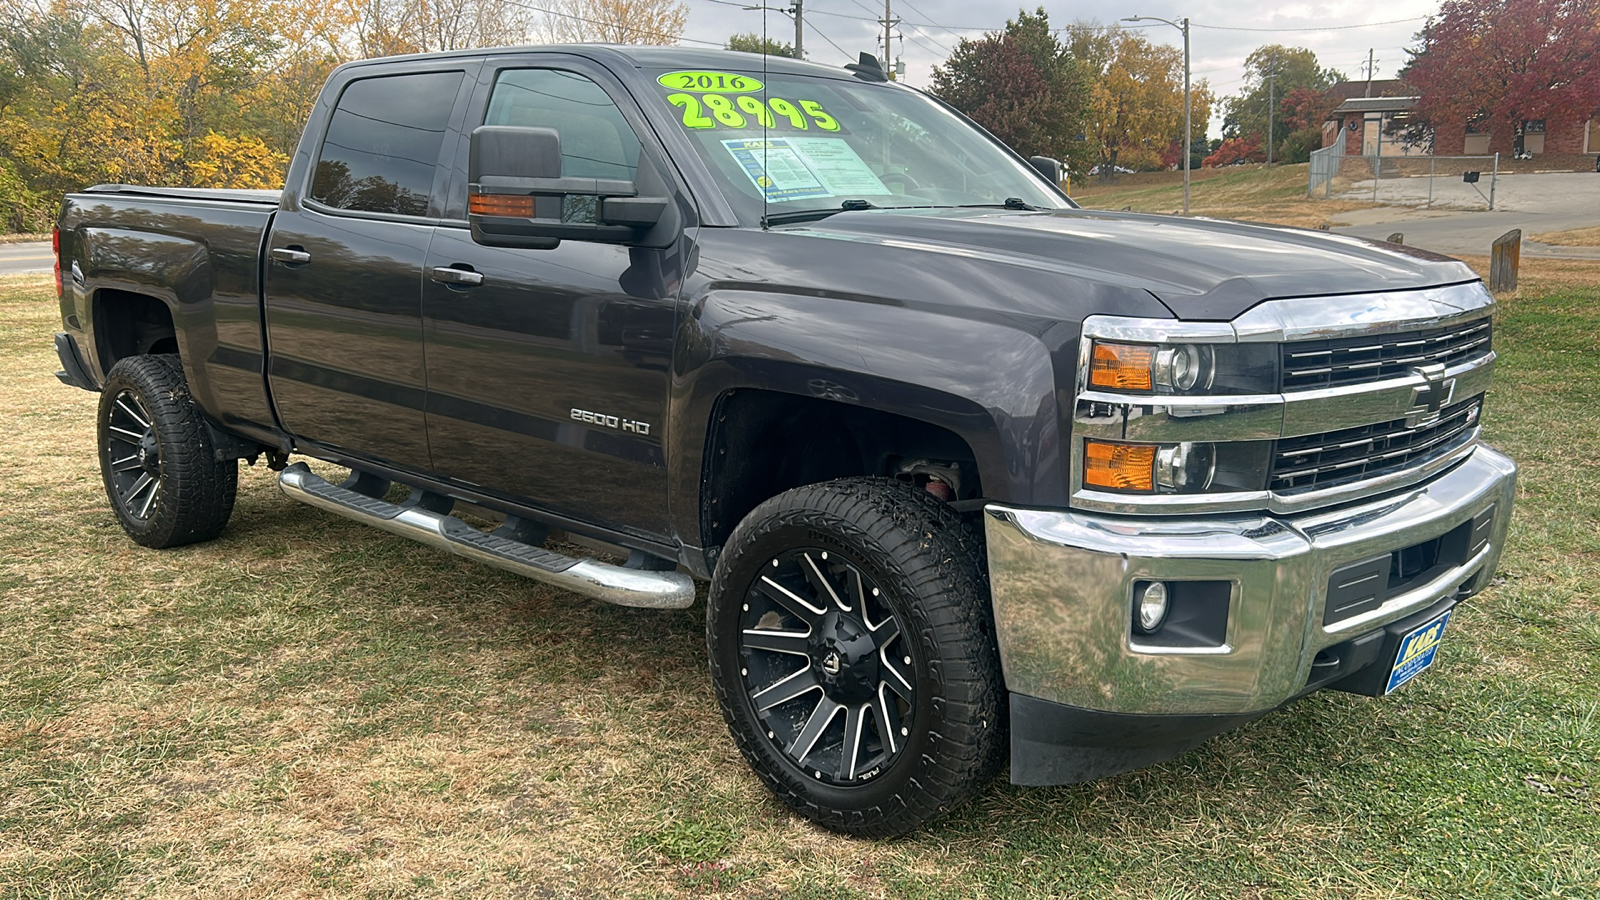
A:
382,145
596,141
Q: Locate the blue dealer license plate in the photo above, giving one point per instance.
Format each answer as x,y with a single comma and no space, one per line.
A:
1417,651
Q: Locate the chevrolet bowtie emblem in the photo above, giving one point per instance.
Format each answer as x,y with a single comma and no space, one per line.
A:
1437,393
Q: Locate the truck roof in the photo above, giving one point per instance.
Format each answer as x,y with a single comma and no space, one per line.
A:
643,57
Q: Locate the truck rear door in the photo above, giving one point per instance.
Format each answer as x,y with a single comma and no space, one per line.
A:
345,261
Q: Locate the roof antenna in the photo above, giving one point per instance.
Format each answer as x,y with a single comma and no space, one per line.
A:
766,171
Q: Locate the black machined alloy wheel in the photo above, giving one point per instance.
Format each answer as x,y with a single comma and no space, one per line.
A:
827,666
853,655
156,456
135,463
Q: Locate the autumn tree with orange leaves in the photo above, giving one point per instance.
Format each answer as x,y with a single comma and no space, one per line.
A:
214,93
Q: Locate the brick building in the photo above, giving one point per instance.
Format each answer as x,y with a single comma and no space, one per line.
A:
1371,117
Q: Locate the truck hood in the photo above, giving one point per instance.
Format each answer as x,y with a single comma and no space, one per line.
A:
1200,269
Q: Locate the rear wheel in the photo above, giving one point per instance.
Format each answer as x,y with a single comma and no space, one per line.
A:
157,458
853,656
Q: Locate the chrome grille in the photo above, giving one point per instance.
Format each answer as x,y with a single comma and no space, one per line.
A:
1313,364
1351,454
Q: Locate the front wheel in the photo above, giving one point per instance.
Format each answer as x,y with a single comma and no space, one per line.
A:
156,456
853,655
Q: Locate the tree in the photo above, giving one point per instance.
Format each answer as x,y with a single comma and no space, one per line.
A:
1135,110
1275,72
1023,85
1507,61
617,21
1236,149
750,42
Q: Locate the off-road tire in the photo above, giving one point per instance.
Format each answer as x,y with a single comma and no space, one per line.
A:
193,493
930,569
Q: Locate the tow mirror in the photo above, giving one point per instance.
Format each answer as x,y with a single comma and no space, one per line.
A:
517,197
1049,168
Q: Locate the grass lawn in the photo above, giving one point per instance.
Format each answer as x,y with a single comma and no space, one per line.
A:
309,708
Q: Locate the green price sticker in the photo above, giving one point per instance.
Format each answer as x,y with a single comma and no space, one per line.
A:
712,110
710,82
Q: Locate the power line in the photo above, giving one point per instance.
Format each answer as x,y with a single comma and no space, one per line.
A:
1322,28
628,28
824,36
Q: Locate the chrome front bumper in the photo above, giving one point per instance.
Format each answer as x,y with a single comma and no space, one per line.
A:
1062,584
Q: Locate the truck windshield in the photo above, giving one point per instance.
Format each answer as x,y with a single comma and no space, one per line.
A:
826,144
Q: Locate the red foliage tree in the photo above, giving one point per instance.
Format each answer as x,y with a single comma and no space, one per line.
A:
1508,61
1236,149
1022,85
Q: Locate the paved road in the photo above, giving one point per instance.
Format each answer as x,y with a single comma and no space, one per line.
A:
1535,203
16,259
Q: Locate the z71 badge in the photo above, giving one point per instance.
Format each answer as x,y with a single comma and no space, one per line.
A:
605,421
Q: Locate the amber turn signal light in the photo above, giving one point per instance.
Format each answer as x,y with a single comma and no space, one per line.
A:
519,206
1119,467
1122,367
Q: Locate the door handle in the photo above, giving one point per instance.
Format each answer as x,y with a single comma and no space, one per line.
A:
290,256
450,275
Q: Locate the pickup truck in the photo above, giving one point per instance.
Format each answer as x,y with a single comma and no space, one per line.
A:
975,475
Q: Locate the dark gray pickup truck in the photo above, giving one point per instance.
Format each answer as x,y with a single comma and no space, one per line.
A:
968,468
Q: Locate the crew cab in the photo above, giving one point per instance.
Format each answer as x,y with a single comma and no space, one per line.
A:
975,475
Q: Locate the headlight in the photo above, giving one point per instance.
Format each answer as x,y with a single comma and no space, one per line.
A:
1180,468
1184,368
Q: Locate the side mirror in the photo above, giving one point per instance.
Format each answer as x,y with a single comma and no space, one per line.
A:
517,197
1049,168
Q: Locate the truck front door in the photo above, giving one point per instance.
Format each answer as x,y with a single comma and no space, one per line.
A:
547,376
344,269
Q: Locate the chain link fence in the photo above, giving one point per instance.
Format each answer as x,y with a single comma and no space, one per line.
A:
1452,182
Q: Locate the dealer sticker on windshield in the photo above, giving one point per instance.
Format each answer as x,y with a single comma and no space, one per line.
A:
1417,652
804,168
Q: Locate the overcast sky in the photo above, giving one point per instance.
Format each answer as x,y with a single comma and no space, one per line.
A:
931,27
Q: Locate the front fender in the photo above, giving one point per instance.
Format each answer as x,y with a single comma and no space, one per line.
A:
989,382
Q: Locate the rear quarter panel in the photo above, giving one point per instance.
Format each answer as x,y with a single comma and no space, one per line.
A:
199,258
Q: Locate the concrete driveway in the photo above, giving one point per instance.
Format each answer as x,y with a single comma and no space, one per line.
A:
1559,201
18,259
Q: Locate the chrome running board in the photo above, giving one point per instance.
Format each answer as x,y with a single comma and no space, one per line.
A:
600,581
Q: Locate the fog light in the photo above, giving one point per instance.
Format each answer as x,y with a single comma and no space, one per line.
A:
1151,607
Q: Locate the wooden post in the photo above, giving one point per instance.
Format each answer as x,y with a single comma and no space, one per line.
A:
1397,238
1504,256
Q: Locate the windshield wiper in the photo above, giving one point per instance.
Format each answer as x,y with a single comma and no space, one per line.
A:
1011,203
812,215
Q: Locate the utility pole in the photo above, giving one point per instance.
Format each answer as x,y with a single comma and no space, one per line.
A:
1188,138
1272,104
888,26
1369,72
799,29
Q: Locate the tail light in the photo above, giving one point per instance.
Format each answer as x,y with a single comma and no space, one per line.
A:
55,247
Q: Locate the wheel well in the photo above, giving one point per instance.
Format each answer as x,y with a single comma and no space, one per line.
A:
129,324
763,443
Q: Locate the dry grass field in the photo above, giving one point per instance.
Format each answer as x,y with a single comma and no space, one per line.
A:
309,708
1578,237
1252,193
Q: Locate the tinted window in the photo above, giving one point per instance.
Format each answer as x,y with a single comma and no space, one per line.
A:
383,143
596,141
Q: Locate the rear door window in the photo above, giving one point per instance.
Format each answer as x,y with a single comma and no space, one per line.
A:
381,151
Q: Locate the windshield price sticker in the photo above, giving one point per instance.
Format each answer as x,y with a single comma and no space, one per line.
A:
709,82
805,168
745,111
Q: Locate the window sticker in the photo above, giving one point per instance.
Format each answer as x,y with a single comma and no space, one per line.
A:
805,168
708,82
710,110
776,169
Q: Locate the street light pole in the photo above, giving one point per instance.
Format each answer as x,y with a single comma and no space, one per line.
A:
1188,100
